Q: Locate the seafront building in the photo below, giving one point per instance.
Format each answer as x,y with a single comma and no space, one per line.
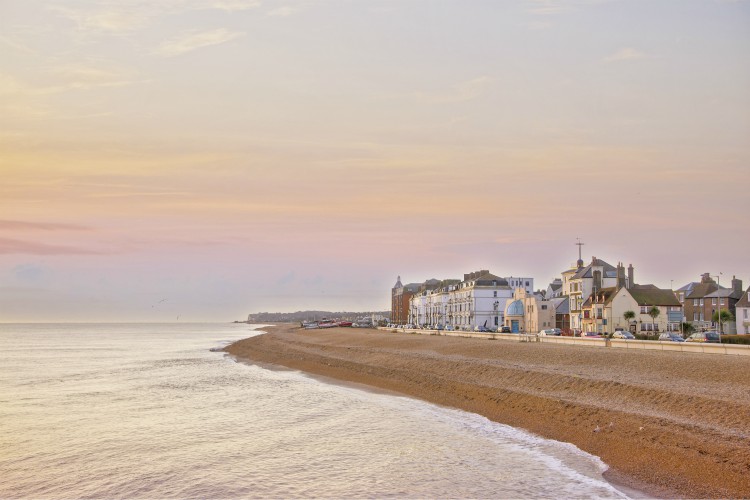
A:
591,297
704,298
742,314
529,312
479,300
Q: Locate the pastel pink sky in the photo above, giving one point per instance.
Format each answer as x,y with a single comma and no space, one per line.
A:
236,156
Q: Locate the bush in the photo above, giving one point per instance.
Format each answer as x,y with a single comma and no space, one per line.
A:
647,336
735,339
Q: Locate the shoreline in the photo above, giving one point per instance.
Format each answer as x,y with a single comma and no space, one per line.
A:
678,428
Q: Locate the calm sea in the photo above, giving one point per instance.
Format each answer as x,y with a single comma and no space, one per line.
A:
149,411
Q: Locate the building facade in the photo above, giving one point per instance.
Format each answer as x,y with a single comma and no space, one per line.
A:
400,298
742,314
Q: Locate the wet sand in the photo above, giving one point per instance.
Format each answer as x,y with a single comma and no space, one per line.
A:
667,423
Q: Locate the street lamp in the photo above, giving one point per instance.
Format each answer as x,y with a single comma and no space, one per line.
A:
718,303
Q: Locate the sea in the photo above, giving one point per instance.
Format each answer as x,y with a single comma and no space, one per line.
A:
158,411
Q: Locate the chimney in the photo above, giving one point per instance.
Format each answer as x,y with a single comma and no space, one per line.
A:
466,277
620,275
706,278
597,280
631,275
736,285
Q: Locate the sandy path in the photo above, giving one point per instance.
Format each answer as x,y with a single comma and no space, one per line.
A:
671,424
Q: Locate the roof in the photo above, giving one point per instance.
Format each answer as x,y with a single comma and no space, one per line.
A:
725,292
563,307
700,290
609,271
744,300
555,286
650,295
603,295
515,308
489,279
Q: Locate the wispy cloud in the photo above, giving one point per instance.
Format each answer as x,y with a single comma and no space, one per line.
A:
19,225
113,19
460,92
554,7
626,54
190,42
283,11
13,246
235,5
69,77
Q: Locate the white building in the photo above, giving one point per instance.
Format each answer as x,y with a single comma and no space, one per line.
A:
584,280
479,300
742,314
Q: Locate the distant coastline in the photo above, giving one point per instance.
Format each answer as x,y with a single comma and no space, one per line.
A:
669,424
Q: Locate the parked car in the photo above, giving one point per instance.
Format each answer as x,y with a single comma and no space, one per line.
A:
622,334
591,335
710,336
481,328
505,329
550,331
671,337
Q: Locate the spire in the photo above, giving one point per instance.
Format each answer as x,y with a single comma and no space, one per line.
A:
579,264
398,283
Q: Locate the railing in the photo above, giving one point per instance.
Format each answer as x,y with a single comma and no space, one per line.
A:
692,347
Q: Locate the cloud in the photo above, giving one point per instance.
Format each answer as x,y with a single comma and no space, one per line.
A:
188,43
460,92
235,5
554,7
17,225
283,11
626,54
13,246
121,19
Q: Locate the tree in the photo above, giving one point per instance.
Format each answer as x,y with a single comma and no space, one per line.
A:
687,328
654,312
628,315
721,317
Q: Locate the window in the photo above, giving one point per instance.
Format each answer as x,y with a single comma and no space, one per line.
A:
527,283
494,294
701,301
721,302
644,309
744,313
695,302
713,301
696,316
701,316
544,307
495,320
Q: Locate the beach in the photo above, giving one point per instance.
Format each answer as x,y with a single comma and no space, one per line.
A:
666,423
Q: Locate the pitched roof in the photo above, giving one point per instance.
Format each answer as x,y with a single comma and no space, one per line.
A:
609,271
602,296
744,300
489,279
563,307
650,295
700,290
725,292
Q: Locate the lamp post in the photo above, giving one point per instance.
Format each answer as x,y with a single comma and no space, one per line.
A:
718,304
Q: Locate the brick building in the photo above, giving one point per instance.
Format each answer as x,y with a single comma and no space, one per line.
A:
400,297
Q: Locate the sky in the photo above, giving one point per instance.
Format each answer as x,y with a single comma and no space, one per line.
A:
207,159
